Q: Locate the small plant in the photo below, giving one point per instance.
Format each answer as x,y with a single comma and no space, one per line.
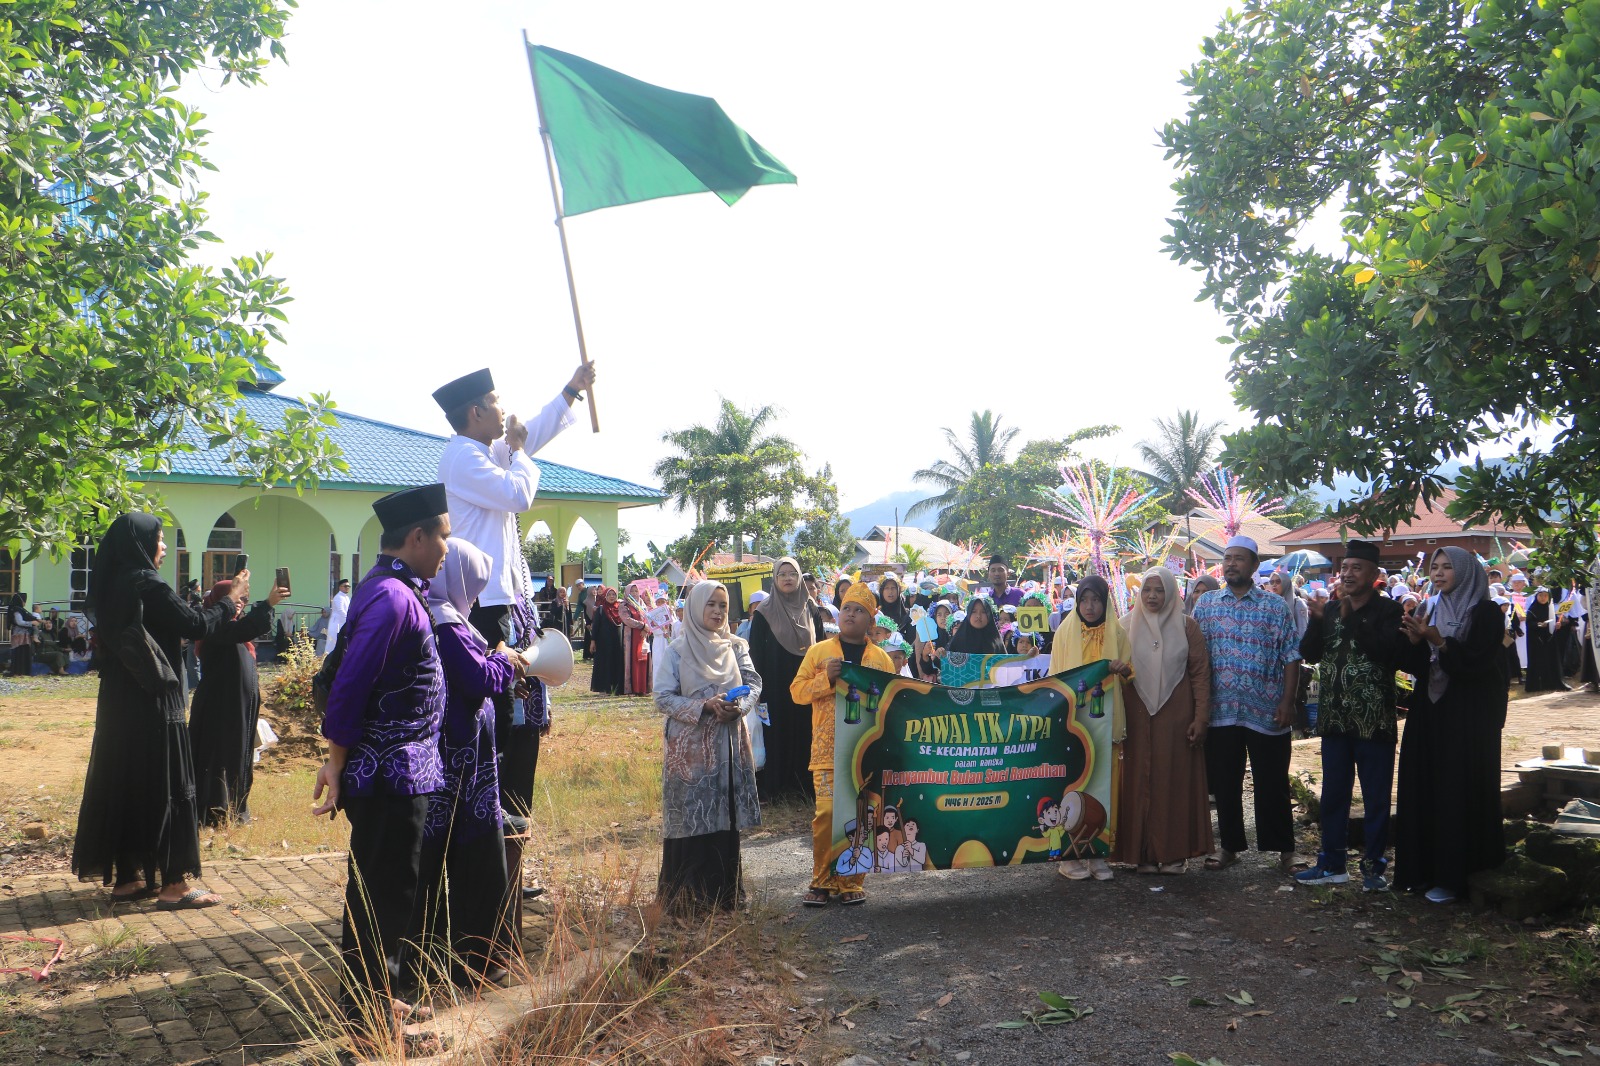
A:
1302,787
1063,1011
120,952
288,690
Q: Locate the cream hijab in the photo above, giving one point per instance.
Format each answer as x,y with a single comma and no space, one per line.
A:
706,657
1159,646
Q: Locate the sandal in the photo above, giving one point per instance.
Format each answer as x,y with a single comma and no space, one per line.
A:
1221,860
424,1044
815,897
852,898
1174,867
144,892
192,900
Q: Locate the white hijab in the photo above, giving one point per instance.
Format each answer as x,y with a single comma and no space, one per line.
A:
1158,643
461,580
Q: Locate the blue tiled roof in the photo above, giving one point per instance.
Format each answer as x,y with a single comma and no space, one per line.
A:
385,456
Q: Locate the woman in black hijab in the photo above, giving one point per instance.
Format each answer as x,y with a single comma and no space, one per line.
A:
978,634
22,623
1544,646
138,824
894,605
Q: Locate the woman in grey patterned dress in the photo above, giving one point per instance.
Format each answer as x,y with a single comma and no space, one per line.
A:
708,778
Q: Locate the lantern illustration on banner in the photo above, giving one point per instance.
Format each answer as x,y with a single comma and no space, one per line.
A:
852,706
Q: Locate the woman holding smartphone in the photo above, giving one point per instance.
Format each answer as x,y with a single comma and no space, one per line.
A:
1448,802
227,705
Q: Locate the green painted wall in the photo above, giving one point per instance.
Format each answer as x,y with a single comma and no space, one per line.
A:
281,528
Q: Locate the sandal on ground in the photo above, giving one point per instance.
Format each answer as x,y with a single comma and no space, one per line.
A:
1221,860
1173,867
193,900
815,897
1145,868
423,1043
137,895
852,898
1286,862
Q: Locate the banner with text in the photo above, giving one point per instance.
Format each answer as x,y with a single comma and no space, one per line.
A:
929,777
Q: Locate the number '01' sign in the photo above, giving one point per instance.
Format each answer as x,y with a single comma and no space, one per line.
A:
1033,619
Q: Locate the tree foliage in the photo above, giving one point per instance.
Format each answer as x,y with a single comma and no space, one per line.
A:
1459,140
986,444
1179,456
986,510
741,481
113,342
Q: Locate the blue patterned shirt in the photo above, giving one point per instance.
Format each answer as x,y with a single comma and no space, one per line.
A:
387,700
1251,638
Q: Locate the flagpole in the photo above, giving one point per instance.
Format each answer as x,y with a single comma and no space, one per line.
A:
561,226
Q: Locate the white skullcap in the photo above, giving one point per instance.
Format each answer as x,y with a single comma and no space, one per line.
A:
1244,542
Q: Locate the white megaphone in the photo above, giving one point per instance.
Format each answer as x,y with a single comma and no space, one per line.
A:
550,658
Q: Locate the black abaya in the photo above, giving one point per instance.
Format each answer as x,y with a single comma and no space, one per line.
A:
1448,803
222,718
610,673
138,817
1544,653
788,734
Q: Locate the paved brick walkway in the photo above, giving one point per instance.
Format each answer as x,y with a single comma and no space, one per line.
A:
226,985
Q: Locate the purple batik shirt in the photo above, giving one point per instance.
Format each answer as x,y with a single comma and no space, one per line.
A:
388,696
468,806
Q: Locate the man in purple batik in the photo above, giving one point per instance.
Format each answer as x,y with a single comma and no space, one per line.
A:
382,724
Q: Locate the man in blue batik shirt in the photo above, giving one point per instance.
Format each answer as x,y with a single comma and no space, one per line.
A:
1251,637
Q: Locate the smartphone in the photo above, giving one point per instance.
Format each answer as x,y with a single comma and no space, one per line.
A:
282,580
241,564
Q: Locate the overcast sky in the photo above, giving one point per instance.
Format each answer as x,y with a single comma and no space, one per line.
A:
977,224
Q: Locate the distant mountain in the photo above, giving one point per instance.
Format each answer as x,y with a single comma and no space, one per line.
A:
880,512
1348,487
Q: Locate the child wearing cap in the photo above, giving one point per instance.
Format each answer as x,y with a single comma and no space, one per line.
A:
814,683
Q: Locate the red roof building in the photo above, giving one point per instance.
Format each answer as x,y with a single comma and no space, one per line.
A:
1429,530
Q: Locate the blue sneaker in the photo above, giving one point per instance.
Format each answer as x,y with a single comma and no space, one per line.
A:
1374,883
1321,875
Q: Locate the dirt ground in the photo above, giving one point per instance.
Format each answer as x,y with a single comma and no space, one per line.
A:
1241,966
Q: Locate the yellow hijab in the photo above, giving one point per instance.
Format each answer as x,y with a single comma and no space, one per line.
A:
1077,644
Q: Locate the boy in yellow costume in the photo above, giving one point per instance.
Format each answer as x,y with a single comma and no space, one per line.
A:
813,684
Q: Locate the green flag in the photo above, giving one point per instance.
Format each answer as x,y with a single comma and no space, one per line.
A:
619,140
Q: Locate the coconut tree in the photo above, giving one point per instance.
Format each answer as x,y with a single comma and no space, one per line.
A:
986,445
1180,456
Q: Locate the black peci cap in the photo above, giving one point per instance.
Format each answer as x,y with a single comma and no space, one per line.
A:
410,506
464,390
1360,549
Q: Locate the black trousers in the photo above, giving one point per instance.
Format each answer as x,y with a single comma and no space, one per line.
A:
463,904
380,902
517,745
1227,748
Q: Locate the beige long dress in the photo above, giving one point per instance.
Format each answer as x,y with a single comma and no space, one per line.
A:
1164,817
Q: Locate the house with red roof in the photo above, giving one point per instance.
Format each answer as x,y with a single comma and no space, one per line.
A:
1428,530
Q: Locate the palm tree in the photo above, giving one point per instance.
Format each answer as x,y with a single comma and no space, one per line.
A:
723,466
1182,452
986,446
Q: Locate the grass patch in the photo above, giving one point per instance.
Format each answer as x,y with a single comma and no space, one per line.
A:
119,952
